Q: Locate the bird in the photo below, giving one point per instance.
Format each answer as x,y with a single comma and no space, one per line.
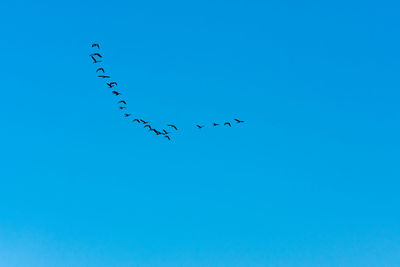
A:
111,84
95,60
173,126
96,54
122,101
199,126
215,124
238,121
148,125
103,76
127,114
144,122
136,120
155,131
96,45
122,107
228,123
165,131
166,136
100,69
115,93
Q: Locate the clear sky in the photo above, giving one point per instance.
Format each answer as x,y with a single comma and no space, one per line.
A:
311,178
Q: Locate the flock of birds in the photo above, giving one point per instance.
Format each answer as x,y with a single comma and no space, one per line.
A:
96,57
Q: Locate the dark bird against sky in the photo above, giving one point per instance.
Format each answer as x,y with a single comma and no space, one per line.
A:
95,60
173,126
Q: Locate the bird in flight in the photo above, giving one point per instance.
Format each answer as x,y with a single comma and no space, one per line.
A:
173,126
122,107
122,101
148,125
116,93
199,126
155,131
215,124
144,122
166,136
165,132
96,45
103,76
100,69
238,121
136,120
127,114
95,60
228,123
111,84
96,54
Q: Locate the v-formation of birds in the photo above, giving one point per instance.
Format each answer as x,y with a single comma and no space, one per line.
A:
97,58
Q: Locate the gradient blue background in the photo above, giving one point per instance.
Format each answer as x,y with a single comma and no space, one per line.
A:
312,178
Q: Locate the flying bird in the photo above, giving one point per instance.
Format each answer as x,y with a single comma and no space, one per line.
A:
111,84
148,125
100,69
96,45
103,76
215,124
156,132
166,136
238,121
122,101
95,60
122,107
96,54
127,114
136,120
144,122
165,131
199,126
115,93
173,126
228,123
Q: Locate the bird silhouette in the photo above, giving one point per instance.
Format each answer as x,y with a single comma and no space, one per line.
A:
144,122
136,120
104,76
173,126
116,93
122,107
96,45
155,131
165,131
238,121
127,114
122,101
100,69
228,123
95,60
111,84
148,125
166,136
199,126
96,54
215,124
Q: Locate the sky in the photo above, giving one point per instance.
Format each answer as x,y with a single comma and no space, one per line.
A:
310,179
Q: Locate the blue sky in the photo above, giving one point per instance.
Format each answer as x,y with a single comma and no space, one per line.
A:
311,179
